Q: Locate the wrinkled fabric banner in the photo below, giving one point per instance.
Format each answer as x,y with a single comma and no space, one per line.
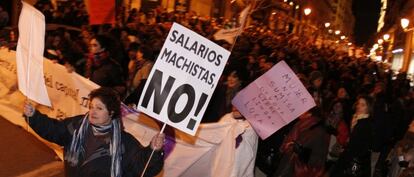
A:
212,152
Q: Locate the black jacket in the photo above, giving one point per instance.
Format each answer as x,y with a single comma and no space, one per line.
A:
358,149
107,74
134,156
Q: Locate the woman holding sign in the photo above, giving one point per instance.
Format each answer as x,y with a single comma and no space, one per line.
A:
95,143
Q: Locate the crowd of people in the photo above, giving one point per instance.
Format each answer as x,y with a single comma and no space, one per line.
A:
362,124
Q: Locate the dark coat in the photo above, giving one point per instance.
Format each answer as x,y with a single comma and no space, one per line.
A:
134,156
311,135
107,74
359,148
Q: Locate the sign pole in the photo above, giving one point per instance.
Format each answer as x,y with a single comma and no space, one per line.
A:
152,153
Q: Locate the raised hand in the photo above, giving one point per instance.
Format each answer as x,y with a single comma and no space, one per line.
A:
157,141
28,109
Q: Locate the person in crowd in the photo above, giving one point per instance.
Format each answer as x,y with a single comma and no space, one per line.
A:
139,69
337,126
355,161
304,149
235,81
382,131
315,80
95,143
101,68
4,18
403,157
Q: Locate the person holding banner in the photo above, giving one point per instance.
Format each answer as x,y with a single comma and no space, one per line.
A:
95,143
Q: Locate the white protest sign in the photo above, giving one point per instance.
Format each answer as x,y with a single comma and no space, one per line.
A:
183,79
273,100
29,56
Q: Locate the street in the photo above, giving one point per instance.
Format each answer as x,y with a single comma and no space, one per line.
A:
23,155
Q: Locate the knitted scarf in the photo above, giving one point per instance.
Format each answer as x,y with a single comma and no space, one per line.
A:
76,149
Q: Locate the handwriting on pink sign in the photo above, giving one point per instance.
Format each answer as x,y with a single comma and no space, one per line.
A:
273,100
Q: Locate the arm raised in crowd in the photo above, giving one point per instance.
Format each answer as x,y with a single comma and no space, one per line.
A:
57,131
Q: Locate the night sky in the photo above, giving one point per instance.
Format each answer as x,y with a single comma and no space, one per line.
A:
366,14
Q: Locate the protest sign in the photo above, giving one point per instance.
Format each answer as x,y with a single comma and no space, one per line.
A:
273,100
183,79
229,35
29,56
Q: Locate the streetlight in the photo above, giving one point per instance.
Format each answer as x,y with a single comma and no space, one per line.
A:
307,11
380,41
408,44
386,37
330,31
349,43
337,32
404,23
342,37
327,25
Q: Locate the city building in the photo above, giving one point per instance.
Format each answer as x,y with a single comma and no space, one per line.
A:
395,37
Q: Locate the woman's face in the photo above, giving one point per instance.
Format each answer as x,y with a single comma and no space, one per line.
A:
98,113
232,80
94,46
56,41
317,83
361,106
342,93
139,56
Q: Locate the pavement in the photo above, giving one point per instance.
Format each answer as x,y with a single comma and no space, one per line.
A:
23,155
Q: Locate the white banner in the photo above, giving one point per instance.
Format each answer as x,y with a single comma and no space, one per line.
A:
227,34
211,153
183,79
68,91
29,55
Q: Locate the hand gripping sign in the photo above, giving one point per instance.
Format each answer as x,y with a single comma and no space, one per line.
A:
183,79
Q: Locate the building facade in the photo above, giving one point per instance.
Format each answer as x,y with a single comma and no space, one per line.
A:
398,49
344,19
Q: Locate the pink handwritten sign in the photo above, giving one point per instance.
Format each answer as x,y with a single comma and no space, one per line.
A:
273,100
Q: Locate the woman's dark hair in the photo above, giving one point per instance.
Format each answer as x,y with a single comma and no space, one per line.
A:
104,41
109,98
369,101
147,53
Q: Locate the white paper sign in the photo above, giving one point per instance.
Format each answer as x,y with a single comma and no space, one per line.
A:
183,79
273,100
29,56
